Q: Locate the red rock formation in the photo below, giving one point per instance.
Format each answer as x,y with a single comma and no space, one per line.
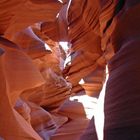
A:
86,53
30,43
35,87
14,55
16,15
13,126
59,26
122,94
18,73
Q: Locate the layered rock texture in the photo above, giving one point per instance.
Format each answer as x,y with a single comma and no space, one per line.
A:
48,92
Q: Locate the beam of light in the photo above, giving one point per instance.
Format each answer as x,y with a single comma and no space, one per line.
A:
81,81
99,115
67,13
47,47
60,1
65,47
89,104
57,15
94,107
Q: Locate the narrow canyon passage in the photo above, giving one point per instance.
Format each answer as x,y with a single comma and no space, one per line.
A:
69,70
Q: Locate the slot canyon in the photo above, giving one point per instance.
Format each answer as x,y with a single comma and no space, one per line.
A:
69,69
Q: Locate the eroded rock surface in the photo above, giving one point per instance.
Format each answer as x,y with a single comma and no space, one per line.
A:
42,95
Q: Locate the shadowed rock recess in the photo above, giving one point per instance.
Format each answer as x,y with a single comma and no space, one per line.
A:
69,69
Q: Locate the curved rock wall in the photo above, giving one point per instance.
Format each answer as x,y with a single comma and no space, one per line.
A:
42,99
